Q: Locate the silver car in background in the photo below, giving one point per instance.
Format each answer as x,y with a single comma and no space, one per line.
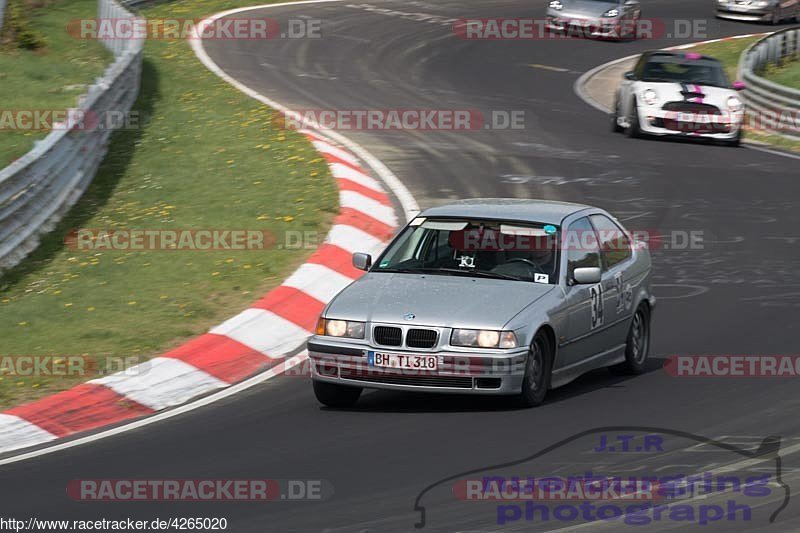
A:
489,296
615,19
773,11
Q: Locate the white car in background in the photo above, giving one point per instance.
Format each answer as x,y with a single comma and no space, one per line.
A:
772,11
680,94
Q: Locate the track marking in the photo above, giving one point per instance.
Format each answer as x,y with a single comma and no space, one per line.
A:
548,67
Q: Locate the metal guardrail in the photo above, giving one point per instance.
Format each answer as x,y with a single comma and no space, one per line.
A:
775,107
40,187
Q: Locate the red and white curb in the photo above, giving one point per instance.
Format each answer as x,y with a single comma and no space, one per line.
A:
260,337
269,336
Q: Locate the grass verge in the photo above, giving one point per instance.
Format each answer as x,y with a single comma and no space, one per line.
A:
729,53
787,74
50,77
205,156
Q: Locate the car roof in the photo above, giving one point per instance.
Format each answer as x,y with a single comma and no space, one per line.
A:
529,210
688,56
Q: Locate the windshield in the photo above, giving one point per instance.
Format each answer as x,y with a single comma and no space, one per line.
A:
482,248
678,70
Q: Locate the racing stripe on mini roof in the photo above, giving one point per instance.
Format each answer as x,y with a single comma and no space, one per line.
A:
261,338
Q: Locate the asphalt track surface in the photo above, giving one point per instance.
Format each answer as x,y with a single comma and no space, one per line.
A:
739,294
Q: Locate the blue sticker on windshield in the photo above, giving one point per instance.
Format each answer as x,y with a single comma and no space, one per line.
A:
549,229
383,264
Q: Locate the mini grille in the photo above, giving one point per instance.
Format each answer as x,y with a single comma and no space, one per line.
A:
691,107
421,338
388,336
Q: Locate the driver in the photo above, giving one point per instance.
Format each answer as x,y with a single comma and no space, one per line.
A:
543,257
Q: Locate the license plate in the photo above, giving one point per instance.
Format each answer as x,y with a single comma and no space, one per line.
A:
696,118
402,361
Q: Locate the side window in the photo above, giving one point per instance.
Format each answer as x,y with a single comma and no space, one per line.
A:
638,70
580,243
614,242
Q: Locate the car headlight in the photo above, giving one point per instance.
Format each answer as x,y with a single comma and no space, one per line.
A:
340,328
734,104
555,4
650,97
761,3
483,338
611,13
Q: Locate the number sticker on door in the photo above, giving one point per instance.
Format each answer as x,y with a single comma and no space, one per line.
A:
596,291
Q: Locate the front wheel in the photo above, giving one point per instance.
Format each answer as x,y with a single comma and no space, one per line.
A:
334,395
637,345
615,127
538,365
634,130
736,141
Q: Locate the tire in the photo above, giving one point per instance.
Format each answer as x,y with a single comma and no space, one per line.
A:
637,344
634,131
538,366
333,395
615,127
736,141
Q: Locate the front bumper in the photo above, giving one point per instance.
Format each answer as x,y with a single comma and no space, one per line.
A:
493,372
656,121
577,26
747,13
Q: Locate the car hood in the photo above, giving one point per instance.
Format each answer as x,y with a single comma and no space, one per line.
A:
587,8
434,300
676,92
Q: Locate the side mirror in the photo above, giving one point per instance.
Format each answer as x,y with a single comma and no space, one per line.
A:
587,275
630,75
362,261
739,86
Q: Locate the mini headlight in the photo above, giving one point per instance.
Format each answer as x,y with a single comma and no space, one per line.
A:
734,104
555,4
340,328
650,97
483,338
611,13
